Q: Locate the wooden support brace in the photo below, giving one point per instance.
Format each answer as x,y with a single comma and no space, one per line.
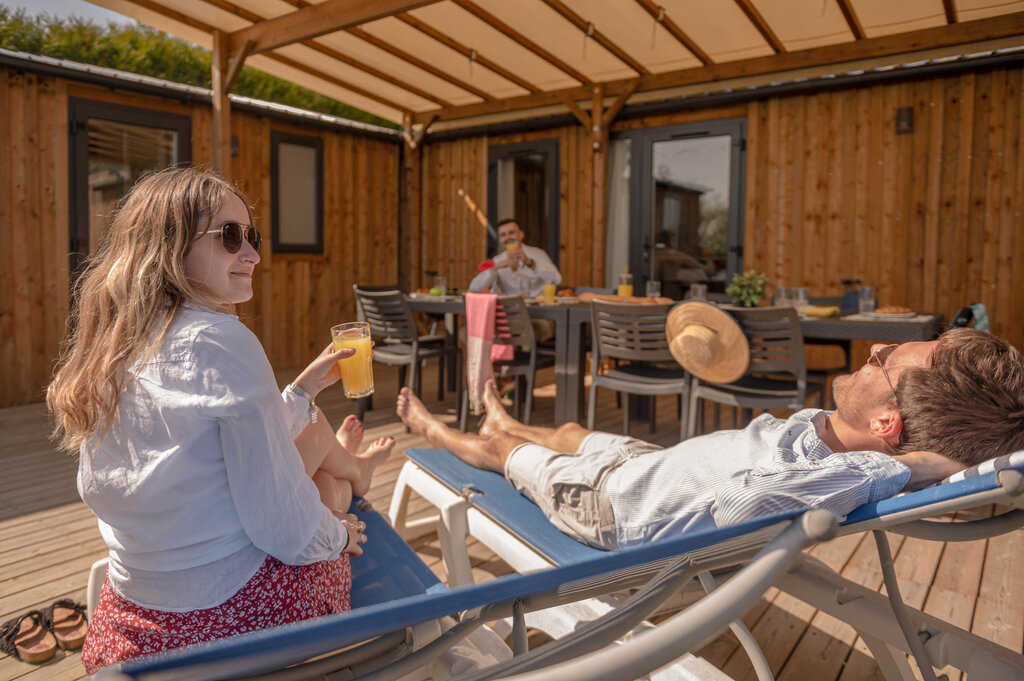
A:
413,138
235,65
617,105
576,111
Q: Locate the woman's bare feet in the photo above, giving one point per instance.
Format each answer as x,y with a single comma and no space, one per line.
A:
497,418
378,452
350,434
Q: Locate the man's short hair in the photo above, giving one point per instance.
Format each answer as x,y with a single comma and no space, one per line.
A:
969,406
505,222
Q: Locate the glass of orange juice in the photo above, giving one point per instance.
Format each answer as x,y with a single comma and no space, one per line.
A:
625,285
549,293
357,370
511,245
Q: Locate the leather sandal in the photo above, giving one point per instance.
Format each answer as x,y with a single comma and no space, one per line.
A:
67,622
27,638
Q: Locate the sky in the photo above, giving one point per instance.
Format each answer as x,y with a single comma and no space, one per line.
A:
65,8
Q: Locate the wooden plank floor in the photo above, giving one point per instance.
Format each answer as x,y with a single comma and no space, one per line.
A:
48,540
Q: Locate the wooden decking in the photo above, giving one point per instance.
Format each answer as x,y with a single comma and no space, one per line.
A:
48,540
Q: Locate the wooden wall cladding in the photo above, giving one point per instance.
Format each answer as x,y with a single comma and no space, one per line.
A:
298,297
33,232
933,218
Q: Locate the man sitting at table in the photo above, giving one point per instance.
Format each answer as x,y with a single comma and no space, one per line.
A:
911,416
521,271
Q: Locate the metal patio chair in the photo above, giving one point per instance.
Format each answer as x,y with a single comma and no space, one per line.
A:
634,336
397,341
777,375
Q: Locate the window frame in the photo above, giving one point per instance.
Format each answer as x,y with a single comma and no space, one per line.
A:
277,137
80,110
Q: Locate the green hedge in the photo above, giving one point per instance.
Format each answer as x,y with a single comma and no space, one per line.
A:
149,52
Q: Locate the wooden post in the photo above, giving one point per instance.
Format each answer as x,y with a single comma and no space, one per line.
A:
599,184
409,227
221,104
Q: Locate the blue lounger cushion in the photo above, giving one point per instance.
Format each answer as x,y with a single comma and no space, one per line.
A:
503,504
499,500
274,648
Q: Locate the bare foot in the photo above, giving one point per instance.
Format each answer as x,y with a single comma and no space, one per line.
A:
497,418
378,452
350,434
413,413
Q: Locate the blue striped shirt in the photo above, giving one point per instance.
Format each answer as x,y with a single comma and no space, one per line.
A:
729,476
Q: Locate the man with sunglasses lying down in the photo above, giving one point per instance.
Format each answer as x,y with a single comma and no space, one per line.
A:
911,416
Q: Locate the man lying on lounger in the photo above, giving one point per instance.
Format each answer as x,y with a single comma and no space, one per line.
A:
962,395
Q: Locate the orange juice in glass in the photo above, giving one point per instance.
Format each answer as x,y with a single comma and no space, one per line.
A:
511,245
625,285
357,370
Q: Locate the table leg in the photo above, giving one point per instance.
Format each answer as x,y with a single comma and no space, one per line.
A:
569,371
451,329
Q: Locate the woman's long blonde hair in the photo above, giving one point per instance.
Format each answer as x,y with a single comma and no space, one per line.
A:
132,286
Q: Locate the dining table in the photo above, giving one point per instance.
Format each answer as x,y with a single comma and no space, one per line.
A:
572,322
571,319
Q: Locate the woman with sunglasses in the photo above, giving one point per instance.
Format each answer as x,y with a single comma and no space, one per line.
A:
187,449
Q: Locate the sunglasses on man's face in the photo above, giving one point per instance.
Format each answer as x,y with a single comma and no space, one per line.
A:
232,234
878,358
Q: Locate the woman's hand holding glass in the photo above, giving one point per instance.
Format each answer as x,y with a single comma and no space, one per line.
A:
322,371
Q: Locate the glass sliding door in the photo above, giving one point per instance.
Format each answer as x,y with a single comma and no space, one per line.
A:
685,205
523,183
112,146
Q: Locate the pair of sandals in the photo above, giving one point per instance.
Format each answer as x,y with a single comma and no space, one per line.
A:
35,635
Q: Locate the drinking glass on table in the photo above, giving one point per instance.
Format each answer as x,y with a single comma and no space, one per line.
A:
549,293
783,297
865,299
653,289
699,292
357,370
625,284
441,283
799,300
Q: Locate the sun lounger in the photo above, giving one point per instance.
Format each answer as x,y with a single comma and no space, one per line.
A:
398,594
483,505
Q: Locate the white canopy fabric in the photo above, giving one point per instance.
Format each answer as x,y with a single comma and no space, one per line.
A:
447,60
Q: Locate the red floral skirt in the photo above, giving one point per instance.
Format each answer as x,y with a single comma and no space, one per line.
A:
276,594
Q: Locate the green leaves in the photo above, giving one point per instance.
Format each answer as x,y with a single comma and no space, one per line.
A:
748,288
149,52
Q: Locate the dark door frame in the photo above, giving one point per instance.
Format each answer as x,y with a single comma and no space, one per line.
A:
79,113
641,188
551,148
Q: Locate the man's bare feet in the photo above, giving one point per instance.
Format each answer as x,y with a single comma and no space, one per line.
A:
496,418
350,434
413,413
376,454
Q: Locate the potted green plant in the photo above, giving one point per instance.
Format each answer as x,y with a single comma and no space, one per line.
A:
747,289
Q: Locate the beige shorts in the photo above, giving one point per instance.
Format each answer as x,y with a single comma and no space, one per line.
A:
569,487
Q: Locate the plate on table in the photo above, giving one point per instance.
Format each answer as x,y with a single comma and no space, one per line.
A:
893,315
415,295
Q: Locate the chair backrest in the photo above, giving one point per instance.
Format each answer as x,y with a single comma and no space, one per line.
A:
630,331
776,341
512,325
387,313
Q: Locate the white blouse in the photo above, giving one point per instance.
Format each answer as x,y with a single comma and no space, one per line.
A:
197,479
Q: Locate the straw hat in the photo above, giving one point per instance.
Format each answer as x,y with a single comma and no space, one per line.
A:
707,342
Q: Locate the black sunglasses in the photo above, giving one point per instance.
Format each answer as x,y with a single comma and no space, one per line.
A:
232,233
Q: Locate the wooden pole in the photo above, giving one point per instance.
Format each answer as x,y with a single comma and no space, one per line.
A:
221,105
599,184
409,228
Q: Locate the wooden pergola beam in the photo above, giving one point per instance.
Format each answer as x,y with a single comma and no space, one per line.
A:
662,17
761,25
949,6
243,13
851,19
316,20
316,73
419,63
221,104
601,39
469,52
499,25
991,28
